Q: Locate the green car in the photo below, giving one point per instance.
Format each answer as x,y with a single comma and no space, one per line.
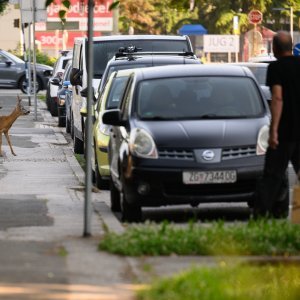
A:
112,88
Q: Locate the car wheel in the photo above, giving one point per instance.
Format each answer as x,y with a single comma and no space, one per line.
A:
115,202
68,125
53,108
61,118
102,184
23,85
78,145
72,127
48,99
130,212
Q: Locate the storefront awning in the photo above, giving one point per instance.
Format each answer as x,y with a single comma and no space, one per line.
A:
192,29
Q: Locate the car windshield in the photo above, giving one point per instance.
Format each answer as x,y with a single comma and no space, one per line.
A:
198,98
14,58
260,73
104,51
114,68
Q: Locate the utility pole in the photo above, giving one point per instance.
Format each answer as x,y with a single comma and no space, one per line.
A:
88,124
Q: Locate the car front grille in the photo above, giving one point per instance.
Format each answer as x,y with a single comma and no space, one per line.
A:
176,154
238,152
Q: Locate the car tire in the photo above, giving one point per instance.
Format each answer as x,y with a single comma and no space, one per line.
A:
72,127
78,145
68,125
102,184
115,199
23,84
130,212
53,108
48,99
61,118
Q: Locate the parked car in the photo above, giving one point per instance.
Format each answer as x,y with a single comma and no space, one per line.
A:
58,71
113,91
259,70
13,73
186,135
104,49
63,90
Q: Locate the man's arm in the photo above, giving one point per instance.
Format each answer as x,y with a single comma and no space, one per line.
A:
276,110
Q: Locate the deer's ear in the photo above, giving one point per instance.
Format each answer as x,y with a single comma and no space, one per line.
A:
19,99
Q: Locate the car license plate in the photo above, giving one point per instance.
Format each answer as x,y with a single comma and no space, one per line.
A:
191,177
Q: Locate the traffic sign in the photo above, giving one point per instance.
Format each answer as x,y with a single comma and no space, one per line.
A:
296,49
255,16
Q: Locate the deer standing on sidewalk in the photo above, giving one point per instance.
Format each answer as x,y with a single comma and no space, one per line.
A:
7,121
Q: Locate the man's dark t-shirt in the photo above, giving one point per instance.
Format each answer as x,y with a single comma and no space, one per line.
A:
286,72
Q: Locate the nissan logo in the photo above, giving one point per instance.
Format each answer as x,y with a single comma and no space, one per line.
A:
208,155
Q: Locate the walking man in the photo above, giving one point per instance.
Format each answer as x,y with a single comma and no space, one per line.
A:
283,78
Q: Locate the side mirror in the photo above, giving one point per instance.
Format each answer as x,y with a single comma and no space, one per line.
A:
8,63
47,73
66,83
75,77
84,93
112,117
55,81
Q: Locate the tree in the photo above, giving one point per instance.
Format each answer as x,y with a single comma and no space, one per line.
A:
3,4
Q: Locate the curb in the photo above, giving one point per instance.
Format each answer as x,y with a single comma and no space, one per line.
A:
100,207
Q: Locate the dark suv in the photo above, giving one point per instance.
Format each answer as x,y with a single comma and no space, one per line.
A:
186,134
104,48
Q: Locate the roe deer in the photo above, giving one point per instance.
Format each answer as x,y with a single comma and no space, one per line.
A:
7,121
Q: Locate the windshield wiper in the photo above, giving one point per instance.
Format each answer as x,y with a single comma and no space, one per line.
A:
215,116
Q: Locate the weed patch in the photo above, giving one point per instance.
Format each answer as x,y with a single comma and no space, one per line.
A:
262,237
242,282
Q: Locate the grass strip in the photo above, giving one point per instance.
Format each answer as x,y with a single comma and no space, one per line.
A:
241,282
256,237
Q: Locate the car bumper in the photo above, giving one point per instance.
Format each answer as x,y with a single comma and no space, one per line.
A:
101,153
164,186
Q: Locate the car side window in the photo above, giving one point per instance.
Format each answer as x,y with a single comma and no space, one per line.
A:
126,99
2,59
116,92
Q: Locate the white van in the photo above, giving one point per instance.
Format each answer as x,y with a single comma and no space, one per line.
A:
104,49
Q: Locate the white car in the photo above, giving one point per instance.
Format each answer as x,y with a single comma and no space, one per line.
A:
58,71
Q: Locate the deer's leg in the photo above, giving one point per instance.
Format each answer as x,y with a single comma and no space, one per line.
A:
0,143
9,143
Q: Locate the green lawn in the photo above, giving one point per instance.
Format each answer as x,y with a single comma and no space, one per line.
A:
263,237
228,283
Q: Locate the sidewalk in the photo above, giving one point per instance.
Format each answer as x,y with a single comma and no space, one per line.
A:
42,252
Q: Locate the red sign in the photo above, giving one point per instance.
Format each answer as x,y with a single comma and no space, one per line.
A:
53,40
79,9
255,17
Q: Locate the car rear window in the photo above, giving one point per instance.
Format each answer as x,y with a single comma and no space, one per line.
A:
199,98
104,51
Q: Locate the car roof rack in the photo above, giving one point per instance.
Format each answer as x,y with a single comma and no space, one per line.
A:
132,51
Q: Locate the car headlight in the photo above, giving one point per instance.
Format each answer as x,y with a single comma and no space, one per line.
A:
262,140
103,128
141,144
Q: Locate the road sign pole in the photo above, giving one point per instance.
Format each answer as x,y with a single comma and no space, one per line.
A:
34,59
88,125
29,65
